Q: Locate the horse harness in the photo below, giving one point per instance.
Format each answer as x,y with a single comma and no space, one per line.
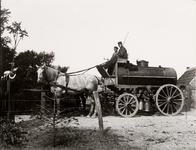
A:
55,83
67,78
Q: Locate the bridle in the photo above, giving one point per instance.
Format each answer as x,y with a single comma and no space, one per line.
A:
45,77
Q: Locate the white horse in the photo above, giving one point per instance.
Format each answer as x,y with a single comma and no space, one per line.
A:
62,83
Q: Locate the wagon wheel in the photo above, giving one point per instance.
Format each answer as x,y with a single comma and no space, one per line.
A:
127,105
169,100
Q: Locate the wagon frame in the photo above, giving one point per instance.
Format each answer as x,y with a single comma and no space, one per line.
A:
146,89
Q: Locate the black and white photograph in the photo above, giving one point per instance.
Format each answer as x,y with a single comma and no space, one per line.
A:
98,74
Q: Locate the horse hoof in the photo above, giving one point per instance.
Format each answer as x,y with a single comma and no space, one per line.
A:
93,116
87,116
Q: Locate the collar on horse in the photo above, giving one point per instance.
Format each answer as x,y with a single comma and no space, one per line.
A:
66,79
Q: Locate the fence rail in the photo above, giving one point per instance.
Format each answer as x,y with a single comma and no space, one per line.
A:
27,107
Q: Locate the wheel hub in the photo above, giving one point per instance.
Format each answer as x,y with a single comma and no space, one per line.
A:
126,104
169,99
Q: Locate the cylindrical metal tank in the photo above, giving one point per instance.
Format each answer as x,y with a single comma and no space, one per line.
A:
145,75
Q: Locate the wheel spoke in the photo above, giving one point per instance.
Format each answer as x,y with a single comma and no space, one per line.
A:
171,109
180,99
132,103
127,105
121,107
123,100
164,92
169,99
162,96
175,107
162,104
129,100
177,103
176,95
168,108
165,106
162,100
171,91
174,92
120,104
167,90
123,110
131,109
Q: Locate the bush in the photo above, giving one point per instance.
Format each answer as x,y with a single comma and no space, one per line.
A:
11,135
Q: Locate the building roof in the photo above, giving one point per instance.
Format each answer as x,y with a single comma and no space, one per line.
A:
188,76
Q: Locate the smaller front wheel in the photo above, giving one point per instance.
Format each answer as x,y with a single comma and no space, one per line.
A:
127,105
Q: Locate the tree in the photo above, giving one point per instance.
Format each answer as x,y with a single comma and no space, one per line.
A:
27,59
6,57
4,15
5,52
18,35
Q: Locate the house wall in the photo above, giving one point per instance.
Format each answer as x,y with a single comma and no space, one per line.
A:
189,98
193,99
193,93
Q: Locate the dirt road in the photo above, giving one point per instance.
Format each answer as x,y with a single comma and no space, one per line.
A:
142,132
154,132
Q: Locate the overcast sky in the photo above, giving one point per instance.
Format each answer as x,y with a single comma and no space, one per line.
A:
82,33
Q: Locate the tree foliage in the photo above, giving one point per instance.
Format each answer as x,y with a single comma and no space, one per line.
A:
18,34
4,14
9,58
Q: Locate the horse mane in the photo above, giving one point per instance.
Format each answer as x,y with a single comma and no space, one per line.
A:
52,74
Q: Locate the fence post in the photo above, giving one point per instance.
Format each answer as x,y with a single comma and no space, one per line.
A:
99,112
42,102
8,92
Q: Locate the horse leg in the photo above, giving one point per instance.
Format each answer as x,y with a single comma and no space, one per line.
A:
84,103
91,106
82,99
95,109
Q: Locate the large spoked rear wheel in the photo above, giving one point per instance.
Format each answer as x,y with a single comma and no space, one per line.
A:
169,100
127,105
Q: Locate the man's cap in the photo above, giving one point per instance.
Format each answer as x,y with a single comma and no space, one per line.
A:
115,47
120,42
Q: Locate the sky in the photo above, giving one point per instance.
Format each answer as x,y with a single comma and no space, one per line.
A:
82,33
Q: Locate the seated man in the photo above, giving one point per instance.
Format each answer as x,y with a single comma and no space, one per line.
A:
111,63
122,53
112,60
115,52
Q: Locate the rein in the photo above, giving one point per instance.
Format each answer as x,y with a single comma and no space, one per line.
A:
84,71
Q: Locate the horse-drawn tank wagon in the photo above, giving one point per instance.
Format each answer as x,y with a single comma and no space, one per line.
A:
144,88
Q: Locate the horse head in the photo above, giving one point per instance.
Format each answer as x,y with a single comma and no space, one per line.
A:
46,74
40,74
